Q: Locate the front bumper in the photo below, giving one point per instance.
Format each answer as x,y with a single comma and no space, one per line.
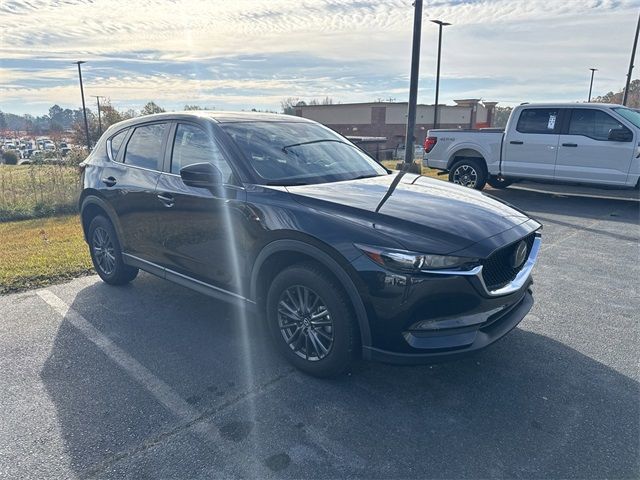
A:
449,345
439,314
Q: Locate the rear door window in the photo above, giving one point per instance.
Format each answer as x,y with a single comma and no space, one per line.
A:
592,123
145,147
539,120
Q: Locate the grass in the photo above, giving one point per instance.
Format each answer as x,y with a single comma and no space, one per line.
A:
35,191
34,253
428,172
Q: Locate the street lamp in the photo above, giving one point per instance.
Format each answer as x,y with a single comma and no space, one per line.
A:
633,56
440,24
593,70
413,85
84,108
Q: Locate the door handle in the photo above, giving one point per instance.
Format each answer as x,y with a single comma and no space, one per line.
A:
167,199
516,142
569,144
109,181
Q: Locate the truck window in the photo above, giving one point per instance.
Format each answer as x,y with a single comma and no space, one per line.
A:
592,123
538,120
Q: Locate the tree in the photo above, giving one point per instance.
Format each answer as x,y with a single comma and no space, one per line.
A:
197,107
289,105
633,99
3,121
500,116
151,108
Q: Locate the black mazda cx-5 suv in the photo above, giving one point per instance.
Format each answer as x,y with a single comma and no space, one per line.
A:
285,217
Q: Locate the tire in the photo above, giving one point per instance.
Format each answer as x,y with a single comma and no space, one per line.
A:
292,324
499,182
468,172
106,253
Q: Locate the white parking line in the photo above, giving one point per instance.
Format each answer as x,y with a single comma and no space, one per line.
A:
162,392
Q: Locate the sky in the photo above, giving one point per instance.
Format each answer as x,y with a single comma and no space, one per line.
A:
243,54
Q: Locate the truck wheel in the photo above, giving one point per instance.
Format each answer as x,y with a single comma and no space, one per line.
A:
468,172
499,182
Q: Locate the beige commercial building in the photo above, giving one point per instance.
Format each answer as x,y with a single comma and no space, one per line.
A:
389,119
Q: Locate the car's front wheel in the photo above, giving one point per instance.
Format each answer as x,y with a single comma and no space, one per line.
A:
106,253
311,320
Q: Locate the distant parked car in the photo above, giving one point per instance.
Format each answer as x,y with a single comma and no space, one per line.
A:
591,143
287,218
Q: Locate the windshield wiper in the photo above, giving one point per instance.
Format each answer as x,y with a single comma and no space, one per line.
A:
365,176
284,149
287,184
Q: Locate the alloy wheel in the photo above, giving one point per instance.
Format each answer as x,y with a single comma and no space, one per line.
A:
466,176
305,323
103,250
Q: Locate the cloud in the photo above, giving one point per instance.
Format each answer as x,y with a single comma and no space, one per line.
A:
250,52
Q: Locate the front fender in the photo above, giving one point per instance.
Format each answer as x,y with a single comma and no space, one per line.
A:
289,245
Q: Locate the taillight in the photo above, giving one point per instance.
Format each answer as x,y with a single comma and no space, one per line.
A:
429,143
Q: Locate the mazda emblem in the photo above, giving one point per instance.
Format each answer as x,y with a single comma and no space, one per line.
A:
520,255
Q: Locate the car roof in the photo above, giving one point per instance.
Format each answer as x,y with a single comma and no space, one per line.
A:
215,115
571,105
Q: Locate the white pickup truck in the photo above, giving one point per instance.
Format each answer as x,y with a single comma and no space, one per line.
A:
591,143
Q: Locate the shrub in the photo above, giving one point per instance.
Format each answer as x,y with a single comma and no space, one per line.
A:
10,157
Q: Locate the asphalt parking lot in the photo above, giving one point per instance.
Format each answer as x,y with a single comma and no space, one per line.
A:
153,380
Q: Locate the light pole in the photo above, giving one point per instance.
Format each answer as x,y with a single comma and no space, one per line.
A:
633,56
440,24
84,108
413,84
593,70
99,116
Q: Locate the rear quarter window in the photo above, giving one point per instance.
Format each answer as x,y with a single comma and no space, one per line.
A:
114,144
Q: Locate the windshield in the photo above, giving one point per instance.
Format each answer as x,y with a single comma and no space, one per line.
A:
632,115
298,153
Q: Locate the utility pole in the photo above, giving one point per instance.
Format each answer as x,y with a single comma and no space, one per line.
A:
413,85
593,70
84,108
633,56
440,24
99,116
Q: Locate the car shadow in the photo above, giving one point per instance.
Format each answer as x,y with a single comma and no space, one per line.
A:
529,406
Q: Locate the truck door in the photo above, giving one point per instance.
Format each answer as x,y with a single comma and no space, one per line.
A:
530,149
586,154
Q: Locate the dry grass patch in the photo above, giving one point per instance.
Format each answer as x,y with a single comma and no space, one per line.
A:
34,253
427,172
33,191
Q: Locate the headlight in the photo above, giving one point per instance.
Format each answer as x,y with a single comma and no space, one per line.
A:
406,261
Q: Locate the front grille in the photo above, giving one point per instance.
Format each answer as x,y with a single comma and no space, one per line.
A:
497,270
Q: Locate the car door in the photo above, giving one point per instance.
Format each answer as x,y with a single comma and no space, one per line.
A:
201,230
530,149
130,184
585,153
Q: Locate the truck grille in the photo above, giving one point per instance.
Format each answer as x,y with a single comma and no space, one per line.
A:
497,269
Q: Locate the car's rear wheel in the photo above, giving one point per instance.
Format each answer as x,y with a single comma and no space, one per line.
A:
468,172
311,321
106,253
499,182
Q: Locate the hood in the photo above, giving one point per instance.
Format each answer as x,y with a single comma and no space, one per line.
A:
420,213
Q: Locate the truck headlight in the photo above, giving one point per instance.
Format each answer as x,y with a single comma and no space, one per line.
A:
413,262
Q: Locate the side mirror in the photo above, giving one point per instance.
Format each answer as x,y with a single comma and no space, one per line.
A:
620,135
203,175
